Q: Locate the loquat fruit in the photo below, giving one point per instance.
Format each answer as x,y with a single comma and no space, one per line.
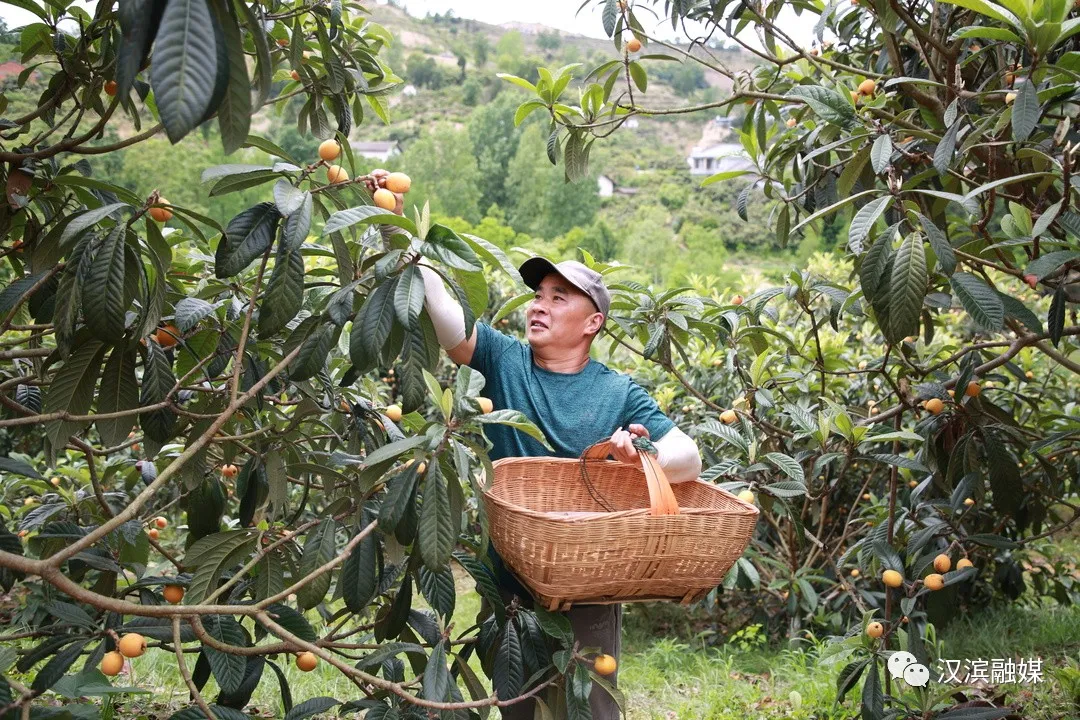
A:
112,664
604,664
329,150
173,593
892,578
306,661
132,645
336,174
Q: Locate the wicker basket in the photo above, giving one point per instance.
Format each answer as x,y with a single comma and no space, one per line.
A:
597,531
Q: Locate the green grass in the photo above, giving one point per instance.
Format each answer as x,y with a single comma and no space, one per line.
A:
668,671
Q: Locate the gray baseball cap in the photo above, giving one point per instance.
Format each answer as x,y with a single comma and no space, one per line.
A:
583,278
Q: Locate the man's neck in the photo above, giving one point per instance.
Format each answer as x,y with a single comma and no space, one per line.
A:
572,361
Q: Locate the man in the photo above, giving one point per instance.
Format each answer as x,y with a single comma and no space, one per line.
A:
575,400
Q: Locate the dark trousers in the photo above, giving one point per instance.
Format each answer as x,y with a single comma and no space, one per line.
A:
594,626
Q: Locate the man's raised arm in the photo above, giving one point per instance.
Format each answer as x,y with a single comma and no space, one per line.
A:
447,317
445,312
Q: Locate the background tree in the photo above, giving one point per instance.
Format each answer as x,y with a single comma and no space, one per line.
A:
943,137
443,165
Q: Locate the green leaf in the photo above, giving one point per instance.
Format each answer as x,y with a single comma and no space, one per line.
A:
437,587
211,556
638,75
247,236
72,390
157,381
185,66
360,574
409,296
872,706
979,299
293,621
906,289
881,153
897,435
297,226
57,666
509,663
829,105
314,352
520,82
610,14
437,680
371,326
88,219
229,170
832,208
312,707
444,244
864,220
986,33
436,530
526,109
319,549
1005,481
366,215
1048,263
785,488
943,153
287,197
578,690
234,113
1025,110
989,9
512,304
103,290
228,669
493,255
721,176
189,311
393,450
284,294
946,258
787,464
119,391
400,491
1017,310
516,420
849,676
194,712
1055,320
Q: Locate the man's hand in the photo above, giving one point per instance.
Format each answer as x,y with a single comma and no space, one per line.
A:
377,179
622,448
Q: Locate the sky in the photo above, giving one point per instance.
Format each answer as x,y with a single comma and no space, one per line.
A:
561,14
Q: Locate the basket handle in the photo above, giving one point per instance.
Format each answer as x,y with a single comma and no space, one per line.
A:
661,498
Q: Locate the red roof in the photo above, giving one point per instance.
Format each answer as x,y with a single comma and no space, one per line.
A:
10,69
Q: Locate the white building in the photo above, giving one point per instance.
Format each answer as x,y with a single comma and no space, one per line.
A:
605,186
720,157
381,150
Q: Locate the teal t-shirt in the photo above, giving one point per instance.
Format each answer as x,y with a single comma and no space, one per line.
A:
574,410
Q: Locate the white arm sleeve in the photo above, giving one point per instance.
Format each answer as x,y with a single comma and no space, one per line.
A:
678,455
446,314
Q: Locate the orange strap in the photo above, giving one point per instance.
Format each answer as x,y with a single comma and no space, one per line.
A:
661,498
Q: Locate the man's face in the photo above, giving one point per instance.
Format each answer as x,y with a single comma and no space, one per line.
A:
560,315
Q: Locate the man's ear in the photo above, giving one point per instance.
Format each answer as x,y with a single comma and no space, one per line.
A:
595,323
